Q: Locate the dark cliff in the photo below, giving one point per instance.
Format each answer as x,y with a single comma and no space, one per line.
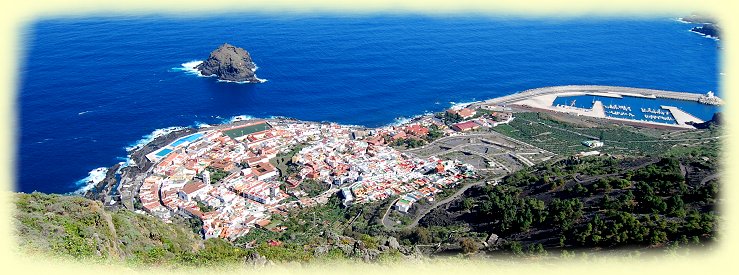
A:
708,29
229,63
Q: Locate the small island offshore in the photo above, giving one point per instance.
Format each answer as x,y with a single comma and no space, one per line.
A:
540,173
230,63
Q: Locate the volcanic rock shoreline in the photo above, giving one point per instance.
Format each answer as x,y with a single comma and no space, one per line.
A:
709,27
230,63
121,191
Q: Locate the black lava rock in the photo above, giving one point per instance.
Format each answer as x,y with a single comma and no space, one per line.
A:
229,63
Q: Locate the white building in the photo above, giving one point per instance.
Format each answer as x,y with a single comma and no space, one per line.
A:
206,177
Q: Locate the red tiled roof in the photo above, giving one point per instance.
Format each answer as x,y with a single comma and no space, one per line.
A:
467,125
192,187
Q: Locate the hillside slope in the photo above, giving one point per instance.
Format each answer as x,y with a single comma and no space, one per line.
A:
594,202
81,228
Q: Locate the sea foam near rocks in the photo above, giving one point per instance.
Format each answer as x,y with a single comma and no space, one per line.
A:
259,80
150,137
94,177
705,35
405,120
189,67
237,118
460,105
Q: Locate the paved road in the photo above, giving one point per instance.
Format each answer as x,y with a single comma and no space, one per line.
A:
447,138
389,225
444,201
588,88
385,221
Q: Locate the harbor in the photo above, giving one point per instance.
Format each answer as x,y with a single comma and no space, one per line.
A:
624,104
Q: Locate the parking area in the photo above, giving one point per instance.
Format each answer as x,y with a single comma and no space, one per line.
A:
488,152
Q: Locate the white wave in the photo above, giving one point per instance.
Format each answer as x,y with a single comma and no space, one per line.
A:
460,105
83,112
93,177
237,119
400,121
44,141
259,80
681,20
705,35
189,67
125,162
150,137
203,125
405,120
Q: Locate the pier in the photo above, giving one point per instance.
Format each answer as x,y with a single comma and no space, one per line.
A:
612,91
665,116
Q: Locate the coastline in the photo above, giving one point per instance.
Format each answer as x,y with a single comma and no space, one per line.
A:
114,192
121,183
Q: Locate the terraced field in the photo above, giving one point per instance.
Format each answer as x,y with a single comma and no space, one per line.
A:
565,138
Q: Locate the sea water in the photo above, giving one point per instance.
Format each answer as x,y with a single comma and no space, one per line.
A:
92,88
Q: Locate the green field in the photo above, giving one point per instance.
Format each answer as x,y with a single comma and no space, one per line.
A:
565,138
242,131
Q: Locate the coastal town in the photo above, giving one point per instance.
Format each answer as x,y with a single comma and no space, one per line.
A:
482,178
235,178
225,177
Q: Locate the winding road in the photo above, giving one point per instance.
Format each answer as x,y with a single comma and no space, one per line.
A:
389,225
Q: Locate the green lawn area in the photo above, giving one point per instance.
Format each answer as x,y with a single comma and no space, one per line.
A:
242,131
561,138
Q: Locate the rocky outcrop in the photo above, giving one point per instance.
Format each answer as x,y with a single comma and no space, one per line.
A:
106,191
256,260
708,29
104,187
229,63
716,120
698,18
708,26
393,243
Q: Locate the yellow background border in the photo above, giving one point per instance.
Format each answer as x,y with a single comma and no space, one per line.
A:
17,14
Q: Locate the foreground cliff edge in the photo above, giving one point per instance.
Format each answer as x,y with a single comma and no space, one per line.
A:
230,63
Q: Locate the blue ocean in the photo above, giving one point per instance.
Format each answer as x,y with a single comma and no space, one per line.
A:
92,87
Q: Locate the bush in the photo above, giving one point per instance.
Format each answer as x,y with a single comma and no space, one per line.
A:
468,245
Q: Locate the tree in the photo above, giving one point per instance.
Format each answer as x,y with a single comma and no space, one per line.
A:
450,118
536,249
421,235
657,237
515,247
676,206
468,245
564,213
579,190
467,203
434,133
